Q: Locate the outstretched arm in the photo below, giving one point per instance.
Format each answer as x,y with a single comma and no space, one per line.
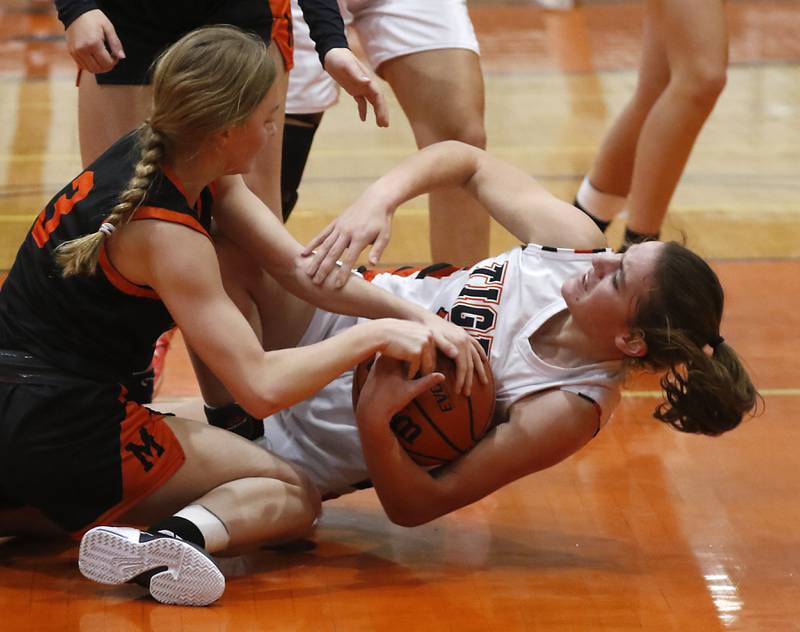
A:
510,196
541,431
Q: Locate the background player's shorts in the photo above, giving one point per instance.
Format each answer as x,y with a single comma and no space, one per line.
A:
79,452
311,89
147,27
386,29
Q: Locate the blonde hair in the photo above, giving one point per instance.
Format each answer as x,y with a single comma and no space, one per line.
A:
209,80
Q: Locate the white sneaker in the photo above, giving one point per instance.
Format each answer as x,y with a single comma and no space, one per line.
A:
174,570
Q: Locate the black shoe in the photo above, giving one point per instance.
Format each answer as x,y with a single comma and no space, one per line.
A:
174,570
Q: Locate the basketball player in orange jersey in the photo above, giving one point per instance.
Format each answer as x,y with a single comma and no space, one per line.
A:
641,159
121,254
114,43
562,323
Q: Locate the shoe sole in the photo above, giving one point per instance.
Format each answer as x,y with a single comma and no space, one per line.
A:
190,578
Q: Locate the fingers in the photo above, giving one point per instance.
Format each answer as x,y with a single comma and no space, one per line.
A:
379,106
114,45
362,107
331,259
464,369
425,383
479,361
413,368
379,246
428,357
315,243
347,263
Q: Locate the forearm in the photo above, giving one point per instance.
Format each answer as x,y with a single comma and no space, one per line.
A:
409,494
284,377
356,298
447,164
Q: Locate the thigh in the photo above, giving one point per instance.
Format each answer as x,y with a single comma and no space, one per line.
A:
279,317
441,93
693,32
265,178
212,457
106,113
388,29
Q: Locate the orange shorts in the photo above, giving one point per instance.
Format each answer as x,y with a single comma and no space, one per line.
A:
80,452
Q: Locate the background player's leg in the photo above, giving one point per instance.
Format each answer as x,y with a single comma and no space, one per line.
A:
696,43
265,178
106,112
613,166
442,94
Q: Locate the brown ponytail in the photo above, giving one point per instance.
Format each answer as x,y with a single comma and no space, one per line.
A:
706,392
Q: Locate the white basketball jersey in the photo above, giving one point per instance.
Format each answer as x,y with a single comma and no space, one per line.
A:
501,301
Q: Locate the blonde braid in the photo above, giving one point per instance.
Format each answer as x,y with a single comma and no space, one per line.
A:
79,256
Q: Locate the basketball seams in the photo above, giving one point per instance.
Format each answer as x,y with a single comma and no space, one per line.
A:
436,428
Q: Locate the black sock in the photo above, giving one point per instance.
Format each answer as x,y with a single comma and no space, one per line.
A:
601,223
632,237
298,135
236,419
183,528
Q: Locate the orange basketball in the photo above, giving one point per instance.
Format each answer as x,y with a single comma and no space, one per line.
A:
440,425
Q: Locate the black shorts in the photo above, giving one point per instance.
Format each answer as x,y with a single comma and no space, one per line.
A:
78,450
147,27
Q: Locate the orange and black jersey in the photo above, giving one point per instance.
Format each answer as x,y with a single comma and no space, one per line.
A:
102,326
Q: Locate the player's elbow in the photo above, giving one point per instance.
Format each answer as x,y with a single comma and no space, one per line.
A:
259,400
405,515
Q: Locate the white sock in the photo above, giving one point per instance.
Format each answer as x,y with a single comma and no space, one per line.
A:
213,529
604,206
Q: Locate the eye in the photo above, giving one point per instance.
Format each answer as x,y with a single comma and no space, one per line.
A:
615,280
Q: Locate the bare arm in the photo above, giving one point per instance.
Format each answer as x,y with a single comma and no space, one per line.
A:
542,430
181,265
510,196
244,219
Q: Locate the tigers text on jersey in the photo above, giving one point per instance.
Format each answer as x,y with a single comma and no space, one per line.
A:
501,301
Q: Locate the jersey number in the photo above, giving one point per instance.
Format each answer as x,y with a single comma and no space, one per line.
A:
42,229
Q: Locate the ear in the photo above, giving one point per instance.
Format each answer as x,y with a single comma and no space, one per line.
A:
631,343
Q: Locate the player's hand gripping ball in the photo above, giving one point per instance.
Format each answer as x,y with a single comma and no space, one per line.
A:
440,425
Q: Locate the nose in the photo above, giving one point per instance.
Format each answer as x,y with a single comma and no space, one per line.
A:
605,263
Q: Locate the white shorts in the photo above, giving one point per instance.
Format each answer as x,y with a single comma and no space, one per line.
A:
319,435
386,29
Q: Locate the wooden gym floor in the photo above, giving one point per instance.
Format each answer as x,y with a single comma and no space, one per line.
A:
645,528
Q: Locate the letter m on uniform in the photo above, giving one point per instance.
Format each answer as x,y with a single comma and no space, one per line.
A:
148,448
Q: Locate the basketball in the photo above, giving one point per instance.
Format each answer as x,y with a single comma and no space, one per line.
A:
440,425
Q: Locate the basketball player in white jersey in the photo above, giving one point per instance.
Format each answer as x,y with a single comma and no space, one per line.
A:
561,324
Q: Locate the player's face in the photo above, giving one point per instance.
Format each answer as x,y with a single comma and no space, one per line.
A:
247,139
603,301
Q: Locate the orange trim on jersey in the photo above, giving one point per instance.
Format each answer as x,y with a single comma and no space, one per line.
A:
150,454
167,215
406,271
176,181
116,279
282,34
